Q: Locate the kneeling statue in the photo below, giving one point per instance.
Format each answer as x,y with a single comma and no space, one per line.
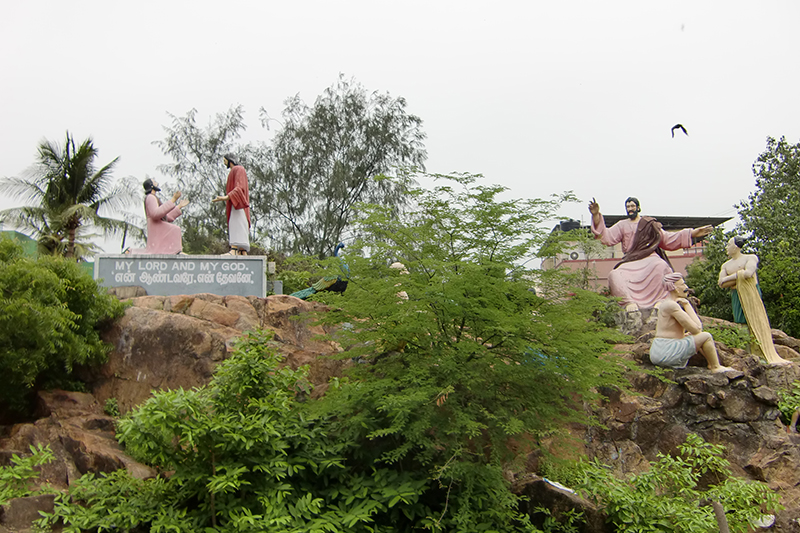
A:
163,237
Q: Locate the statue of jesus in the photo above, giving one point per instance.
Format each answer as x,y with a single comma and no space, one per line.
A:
637,278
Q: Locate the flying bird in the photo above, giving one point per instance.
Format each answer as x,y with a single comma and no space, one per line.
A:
678,127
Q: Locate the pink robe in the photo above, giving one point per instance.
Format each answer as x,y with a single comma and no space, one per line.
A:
639,282
163,237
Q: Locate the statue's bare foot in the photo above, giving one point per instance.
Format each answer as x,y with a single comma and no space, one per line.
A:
779,362
721,369
631,307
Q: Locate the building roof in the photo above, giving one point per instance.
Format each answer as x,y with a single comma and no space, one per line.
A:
667,223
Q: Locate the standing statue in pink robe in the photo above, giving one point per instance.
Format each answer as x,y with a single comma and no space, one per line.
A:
163,237
637,278
237,206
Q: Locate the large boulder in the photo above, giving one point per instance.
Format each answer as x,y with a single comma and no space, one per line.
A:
166,342
79,434
19,514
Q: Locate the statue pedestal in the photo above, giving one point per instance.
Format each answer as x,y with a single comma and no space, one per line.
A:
171,275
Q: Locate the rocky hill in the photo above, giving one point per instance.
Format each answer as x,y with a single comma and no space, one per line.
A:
170,342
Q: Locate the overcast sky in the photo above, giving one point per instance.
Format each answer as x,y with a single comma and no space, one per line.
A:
540,97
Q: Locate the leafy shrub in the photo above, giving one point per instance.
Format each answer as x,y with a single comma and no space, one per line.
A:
789,400
666,498
245,455
15,480
733,336
51,313
111,407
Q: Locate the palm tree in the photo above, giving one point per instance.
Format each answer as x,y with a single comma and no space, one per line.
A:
67,195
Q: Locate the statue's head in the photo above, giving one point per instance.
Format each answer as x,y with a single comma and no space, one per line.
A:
229,160
674,282
150,186
632,207
735,244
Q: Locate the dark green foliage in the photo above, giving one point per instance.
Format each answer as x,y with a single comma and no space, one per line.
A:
50,316
666,499
770,215
703,276
16,479
69,194
246,455
789,400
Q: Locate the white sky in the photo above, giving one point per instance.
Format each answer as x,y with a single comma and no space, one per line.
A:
540,97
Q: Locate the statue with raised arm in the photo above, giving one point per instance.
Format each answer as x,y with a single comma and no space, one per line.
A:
163,237
679,331
637,278
739,274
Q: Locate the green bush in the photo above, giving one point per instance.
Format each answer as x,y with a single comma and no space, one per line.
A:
666,499
16,479
789,400
245,455
51,313
734,336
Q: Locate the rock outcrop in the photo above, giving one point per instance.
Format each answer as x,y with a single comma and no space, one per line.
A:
737,409
166,342
80,435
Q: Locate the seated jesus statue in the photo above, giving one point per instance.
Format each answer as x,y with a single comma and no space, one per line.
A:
679,331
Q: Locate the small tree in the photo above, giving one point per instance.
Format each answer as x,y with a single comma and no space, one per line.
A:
460,357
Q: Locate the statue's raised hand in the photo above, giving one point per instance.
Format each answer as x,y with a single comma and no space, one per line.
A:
594,207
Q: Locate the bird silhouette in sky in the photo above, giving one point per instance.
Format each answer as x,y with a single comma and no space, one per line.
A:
679,127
